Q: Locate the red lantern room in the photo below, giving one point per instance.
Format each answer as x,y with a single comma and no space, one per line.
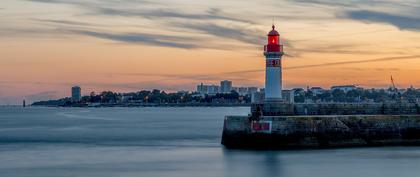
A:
273,44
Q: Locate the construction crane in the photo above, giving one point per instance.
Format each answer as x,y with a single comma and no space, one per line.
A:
395,93
393,84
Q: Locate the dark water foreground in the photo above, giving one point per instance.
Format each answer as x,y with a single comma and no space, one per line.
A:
160,142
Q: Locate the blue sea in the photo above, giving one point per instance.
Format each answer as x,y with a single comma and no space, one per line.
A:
167,142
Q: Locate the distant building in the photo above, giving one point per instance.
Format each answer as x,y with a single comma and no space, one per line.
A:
299,91
252,90
213,89
225,86
76,93
243,90
201,88
184,92
344,88
288,96
207,89
236,89
126,98
317,90
257,97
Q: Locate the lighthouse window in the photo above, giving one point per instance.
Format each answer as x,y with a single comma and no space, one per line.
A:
273,39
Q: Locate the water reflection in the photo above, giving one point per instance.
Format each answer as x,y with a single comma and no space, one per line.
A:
252,163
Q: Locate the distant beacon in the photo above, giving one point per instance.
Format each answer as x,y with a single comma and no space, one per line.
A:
273,52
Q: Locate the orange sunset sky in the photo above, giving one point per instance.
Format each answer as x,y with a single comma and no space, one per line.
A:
47,46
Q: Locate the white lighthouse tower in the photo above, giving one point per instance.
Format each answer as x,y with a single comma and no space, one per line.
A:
273,52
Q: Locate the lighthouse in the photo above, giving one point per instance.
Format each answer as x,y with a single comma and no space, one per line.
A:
273,53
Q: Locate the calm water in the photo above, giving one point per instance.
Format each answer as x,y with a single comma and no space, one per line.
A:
161,142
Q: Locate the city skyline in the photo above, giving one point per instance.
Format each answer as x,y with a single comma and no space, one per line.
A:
47,46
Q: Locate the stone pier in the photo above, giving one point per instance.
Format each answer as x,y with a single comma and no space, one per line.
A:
320,131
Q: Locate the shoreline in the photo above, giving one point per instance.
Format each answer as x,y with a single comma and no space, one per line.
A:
152,105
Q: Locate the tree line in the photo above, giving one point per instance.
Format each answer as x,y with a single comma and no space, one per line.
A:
145,96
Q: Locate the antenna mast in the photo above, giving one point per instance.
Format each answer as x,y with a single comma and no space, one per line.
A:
393,84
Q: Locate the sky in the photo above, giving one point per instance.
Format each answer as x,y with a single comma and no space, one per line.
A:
47,46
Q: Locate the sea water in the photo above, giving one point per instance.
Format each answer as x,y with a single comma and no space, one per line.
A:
167,142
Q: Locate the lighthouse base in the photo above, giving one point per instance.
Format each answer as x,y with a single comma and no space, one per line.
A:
274,101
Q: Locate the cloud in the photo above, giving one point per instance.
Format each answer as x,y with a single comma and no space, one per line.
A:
66,22
411,57
375,11
370,69
239,33
342,35
334,48
187,41
9,32
173,18
294,51
400,21
74,2
184,41
140,10
210,14
91,3
327,2
351,3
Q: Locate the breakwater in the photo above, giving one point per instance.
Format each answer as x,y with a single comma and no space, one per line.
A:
291,132
281,109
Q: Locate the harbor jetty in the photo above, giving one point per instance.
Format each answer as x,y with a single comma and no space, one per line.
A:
296,126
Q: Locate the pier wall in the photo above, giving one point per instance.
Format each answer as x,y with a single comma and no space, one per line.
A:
291,132
278,109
